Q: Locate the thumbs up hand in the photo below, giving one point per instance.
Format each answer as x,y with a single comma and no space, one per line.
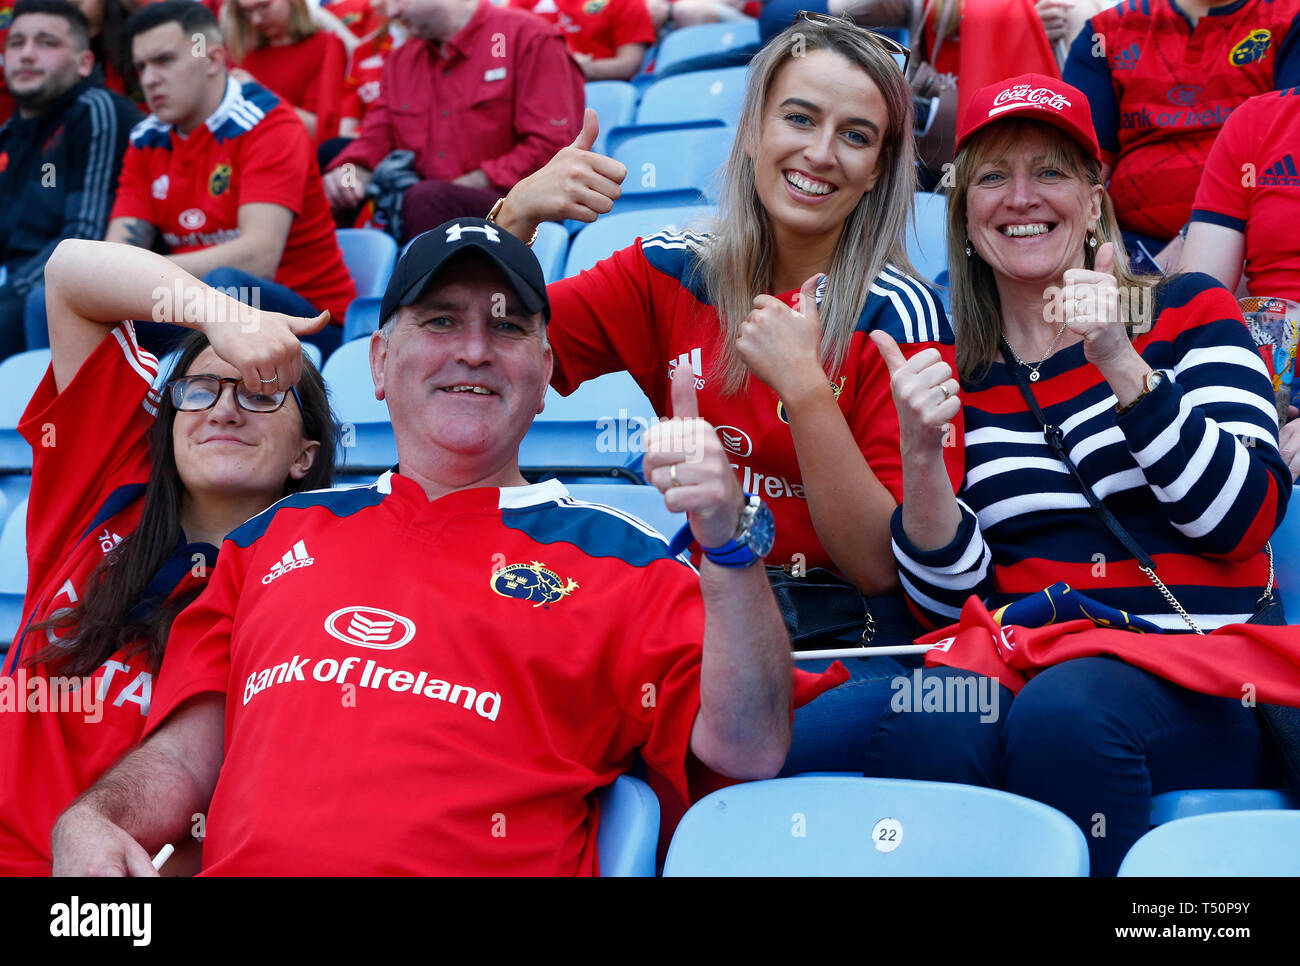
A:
925,394
577,183
684,459
782,345
1091,309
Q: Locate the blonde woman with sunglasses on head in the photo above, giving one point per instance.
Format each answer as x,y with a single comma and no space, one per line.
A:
769,311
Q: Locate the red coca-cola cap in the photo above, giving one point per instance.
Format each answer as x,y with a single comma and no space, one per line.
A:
1038,98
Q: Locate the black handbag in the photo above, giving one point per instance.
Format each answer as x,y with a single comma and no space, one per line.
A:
823,610
1280,721
817,606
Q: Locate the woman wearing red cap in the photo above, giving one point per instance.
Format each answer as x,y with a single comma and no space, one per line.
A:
1081,382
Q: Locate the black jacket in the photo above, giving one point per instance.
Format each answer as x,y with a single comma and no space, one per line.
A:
58,175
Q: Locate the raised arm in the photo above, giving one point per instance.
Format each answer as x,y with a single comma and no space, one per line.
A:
849,506
1206,435
577,183
743,726
92,286
148,799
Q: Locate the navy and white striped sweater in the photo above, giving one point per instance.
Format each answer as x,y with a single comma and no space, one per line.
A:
1193,473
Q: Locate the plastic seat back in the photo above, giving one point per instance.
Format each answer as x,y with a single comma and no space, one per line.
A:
845,825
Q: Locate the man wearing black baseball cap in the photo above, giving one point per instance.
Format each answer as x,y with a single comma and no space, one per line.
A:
457,660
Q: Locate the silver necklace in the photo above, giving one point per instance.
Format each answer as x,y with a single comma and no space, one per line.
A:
1033,370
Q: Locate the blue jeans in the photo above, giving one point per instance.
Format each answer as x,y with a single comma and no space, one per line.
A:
831,733
160,338
1094,738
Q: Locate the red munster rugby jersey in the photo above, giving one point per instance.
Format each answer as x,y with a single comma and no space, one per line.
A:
595,27
1160,90
417,687
1264,134
643,309
365,68
252,149
90,465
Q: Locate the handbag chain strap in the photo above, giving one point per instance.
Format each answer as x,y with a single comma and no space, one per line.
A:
1055,439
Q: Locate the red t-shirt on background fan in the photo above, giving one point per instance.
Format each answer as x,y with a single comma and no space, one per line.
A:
308,74
1261,137
595,27
191,189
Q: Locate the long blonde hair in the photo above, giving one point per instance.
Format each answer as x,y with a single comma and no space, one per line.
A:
976,307
241,38
737,261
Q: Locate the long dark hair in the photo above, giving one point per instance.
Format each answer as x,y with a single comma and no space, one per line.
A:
102,622
115,47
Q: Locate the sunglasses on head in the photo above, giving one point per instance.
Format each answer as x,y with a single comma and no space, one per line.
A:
888,44
194,394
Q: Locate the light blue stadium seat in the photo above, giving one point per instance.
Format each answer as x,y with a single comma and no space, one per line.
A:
847,825
594,431
628,835
19,376
1252,843
13,573
702,95
701,99
551,249
927,242
1172,806
645,503
370,256
611,232
615,105
362,319
664,164
14,489
366,442
686,43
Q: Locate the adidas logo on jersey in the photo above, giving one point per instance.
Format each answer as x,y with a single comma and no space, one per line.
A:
1127,59
691,361
293,559
1282,174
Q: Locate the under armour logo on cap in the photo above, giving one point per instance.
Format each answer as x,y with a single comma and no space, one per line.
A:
455,231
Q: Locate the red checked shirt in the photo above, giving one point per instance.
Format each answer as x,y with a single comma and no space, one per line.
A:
503,96
90,465
595,27
1262,135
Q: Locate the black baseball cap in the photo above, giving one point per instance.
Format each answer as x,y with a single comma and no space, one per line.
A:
431,250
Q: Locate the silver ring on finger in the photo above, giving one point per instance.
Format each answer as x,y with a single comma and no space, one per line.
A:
946,394
274,378
672,475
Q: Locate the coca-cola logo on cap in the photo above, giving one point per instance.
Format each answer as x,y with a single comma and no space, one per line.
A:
1022,94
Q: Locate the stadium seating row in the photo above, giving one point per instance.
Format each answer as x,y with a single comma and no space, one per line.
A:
849,825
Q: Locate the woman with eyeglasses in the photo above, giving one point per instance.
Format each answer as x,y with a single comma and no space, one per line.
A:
769,313
132,493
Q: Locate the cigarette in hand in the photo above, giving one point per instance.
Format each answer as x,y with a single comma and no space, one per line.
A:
163,855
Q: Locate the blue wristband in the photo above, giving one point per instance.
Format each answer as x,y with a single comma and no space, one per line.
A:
733,553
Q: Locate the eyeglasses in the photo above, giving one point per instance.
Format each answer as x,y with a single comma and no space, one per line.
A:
887,44
194,394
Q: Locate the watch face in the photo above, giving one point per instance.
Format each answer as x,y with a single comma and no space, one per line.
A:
762,531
